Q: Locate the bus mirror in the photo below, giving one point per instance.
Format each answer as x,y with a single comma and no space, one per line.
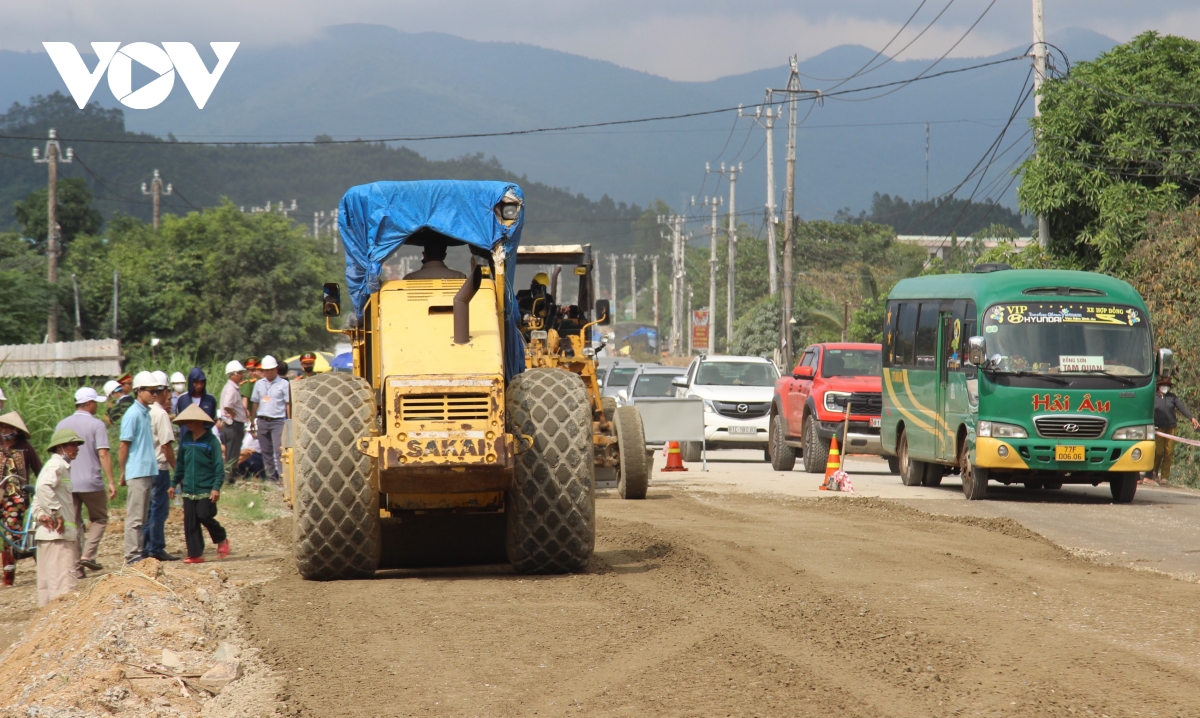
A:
331,300
1166,363
975,351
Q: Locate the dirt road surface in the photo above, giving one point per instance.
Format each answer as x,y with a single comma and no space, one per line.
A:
702,604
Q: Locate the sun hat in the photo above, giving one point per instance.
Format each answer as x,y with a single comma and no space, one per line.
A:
13,419
85,394
144,380
234,366
268,362
193,413
64,436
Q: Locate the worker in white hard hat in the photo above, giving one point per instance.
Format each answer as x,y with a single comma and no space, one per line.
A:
178,389
270,408
139,463
233,416
91,470
154,541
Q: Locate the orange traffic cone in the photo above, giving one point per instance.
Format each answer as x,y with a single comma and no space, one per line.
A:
834,463
674,458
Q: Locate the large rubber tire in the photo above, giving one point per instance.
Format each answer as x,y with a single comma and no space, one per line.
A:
974,479
610,407
933,474
633,474
912,472
816,451
783,457
691,451
893,464
1124,487
336,503
551,507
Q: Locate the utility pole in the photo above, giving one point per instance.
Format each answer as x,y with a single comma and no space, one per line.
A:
54,155
1039,76
766,120
675,222
712,203
690,322
793,91
156,190
78,324
926,161
115,304
730,174
654,269
845,319
632,285
612,265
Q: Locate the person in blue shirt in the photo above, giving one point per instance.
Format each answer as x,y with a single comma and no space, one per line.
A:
199,474
139,463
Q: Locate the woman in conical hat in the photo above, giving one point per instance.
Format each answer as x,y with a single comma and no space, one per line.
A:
19,462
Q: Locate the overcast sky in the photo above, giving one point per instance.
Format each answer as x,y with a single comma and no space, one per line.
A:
679,39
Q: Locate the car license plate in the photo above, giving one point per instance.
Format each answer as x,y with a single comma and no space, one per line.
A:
1068,453
876,422
743,430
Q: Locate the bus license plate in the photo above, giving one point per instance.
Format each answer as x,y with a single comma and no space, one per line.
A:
743,430
876,422
1068,453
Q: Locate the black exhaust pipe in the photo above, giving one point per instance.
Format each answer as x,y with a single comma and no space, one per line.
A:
462,305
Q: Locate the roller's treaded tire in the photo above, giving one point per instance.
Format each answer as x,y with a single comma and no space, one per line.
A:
551,508
783,457
336,531
912,473
610,407
633,475
1124,488
691,451
816,451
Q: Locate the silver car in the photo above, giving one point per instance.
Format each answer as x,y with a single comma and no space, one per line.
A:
650,380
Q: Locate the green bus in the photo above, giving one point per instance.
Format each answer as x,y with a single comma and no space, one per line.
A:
1035,377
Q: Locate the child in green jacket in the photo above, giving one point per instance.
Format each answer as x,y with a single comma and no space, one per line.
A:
199,473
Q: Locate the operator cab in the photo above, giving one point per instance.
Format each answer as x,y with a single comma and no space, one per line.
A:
547,311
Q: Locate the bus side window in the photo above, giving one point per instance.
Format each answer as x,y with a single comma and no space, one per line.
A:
889,331
926,339
906,330
970,329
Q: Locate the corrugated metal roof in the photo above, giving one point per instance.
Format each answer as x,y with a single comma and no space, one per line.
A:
96,357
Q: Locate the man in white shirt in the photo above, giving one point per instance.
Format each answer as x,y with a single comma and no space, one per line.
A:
232,417
270,408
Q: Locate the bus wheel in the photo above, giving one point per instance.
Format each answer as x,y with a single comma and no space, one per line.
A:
893,464
1123,487
933,474
911,472
974,479
1052,485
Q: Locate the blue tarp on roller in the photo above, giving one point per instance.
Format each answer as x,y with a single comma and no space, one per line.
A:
377,219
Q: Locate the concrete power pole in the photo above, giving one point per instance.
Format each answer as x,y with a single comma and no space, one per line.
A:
54,155
156,191
654,270
675,223
612,265
712,203
766,120
926,161
632,284
730,273
793,91
1039,76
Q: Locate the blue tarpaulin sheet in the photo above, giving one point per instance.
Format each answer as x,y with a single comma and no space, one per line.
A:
377,219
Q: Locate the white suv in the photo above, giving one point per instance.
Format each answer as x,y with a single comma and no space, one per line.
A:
737,393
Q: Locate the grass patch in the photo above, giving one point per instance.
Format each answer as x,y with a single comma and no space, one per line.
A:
250,501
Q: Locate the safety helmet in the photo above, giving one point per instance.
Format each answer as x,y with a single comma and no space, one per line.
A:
542,278
144,380
234,366
268,362
160,378
110,386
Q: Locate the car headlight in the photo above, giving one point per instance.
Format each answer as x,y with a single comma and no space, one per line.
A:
708,406
1000,431
832,401
1134,433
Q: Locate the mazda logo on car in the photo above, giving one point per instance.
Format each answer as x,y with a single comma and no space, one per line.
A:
1071,428
742,408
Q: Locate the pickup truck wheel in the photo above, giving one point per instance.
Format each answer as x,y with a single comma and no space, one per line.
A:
816,450
551,507
781,456
633,476
912,473
1123,487
974,479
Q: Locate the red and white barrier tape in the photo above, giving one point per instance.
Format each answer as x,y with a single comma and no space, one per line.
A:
1180,439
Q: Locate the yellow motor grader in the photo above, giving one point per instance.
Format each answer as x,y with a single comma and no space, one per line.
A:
441,415
557,335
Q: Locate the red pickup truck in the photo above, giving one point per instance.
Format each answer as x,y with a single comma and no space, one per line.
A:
809,406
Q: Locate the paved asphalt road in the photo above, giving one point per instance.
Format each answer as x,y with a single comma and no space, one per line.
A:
1160,530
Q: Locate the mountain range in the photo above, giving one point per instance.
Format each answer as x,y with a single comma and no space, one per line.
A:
375,82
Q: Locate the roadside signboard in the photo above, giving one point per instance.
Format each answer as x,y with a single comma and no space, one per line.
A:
700,329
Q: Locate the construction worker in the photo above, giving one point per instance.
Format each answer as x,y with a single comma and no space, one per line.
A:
139,463
90,470
233,416
178,389
270,407
120,399
154,541
433,261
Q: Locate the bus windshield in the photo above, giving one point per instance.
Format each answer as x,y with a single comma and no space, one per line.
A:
1067,338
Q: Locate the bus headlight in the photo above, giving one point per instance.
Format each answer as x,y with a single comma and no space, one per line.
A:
1000,431
1134,433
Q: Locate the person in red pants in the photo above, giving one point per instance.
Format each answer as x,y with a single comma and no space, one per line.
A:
199,474
18,461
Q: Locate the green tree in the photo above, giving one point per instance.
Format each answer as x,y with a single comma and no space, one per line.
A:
213,284
1118,140
75,213
24,292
